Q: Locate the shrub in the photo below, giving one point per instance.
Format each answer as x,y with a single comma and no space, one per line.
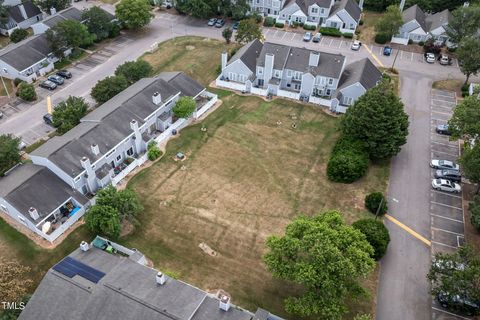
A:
134,70
347,35
115,30
17,81
465,87
309,27
330,32
360,22
18,35
232,52
279,25
258,18
153,152
26,91
474,208
348,161
295,24
421,43
269,22
376,234
410,41
382,38
372,202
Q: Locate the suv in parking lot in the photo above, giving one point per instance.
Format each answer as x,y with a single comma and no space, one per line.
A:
356,45
307,37
56,79
220,23
430,57
212,22
452,175
64,74
443,129
317,37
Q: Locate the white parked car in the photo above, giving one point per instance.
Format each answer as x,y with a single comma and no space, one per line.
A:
356,45
446,185
444,164
430,57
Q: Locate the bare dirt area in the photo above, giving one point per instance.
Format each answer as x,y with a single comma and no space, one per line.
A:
244,179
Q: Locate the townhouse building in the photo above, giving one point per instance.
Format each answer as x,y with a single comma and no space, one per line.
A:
21,15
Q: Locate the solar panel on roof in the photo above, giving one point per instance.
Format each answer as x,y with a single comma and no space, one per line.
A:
72,267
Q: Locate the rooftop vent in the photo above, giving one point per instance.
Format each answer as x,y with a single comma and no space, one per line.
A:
157,98
224,302
95,149
33,213
84,246
160,278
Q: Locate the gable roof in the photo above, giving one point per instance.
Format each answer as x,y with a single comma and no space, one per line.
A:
70,13
350,6
415,13
127,291
26,53
109,124
30,9
248,54
305,4
363,72
438,19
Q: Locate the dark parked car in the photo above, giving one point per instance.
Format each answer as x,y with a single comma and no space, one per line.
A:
56,79
64,74
452,175
48,118
317,37
459,304
220,23
235,25
47,84
387,51
212,22
443,129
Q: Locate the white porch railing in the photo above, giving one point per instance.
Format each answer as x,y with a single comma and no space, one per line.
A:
259,91
213,99
288,94
67,224
230,84
320,101
122,174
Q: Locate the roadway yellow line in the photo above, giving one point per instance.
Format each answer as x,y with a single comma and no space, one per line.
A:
374,56
409,230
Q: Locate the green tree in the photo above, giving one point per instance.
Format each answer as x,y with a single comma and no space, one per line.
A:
376,233
474,208
14,314
465,121
326,257
14,280
109,87
59,5
134,14
227,34
465,22
379,5
134,70
468,55
378,120
470,162
4,15
68,34
240,9
18,35
184,107
104,220
373,201
124,201
67,114
363,317
448,278
248,30
26,91
390,21
153,151
9,155
97,22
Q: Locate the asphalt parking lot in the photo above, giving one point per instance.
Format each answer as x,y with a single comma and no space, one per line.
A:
446,213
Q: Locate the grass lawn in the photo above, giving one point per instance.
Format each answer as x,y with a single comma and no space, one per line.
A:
9,85
451,85
367,30
244,179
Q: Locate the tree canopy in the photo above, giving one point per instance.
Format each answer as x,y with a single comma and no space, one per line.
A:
390,21
465,121
378,120
109,87
134,14
66,34
447,277
9,155
134,70
470,162
468,55
18,35
67,114
97,22
104,220
465,22
227,34
326,257
124,201
184,107
248,30
377,235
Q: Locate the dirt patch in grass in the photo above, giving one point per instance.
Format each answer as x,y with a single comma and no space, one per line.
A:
450,85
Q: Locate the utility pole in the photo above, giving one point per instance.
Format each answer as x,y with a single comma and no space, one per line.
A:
6,90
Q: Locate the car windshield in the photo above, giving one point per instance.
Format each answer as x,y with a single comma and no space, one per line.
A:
445,163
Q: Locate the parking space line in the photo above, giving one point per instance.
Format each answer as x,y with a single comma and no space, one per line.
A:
445,107
458,240
275,34
445,144
451,232
443,100
446,218
330,43
443,244
447,194
445,205
341,41
374,56
409,230
411,56
284,34
440,112
447,153
293,36
437,119
266,31
452,314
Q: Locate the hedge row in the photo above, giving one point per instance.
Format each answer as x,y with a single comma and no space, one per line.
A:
269,22
309,27
381,38
279,25
348,162
330,32
347,35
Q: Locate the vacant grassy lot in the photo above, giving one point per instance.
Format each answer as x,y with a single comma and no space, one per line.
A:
367,30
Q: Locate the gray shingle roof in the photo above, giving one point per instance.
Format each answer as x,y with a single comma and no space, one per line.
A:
38,187
248,54
415,13
350,6
363,71
71,13
304,4
438,19
127,291
109,124
30,9
26,53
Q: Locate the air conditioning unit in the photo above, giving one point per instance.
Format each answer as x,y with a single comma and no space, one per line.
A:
84,246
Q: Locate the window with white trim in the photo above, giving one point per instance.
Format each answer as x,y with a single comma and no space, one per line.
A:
317,92
130,152
328,92
119,157
297,86
260,70
322,11
347,101
330,81
314,10
277,73
297,75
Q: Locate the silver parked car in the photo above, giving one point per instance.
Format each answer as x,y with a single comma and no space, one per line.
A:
307,37
446,185
444,164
